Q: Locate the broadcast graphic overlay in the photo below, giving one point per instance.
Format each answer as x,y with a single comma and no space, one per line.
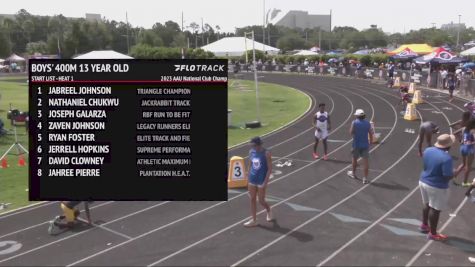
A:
128,129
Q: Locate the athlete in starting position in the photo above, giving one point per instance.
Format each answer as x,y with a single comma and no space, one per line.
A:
322,122
70,214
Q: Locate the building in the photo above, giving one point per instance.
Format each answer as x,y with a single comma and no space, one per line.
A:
301,19
93,17
452,26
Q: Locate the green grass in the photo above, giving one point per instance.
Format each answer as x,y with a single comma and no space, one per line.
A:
279,105
13,180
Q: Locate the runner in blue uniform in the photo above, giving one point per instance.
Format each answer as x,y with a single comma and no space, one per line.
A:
467,150
260,168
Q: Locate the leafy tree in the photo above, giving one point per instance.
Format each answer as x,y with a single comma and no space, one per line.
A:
37,47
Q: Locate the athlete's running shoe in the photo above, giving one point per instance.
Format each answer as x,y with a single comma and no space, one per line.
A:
424,228
466,184
351,174
437,237
365,180
325,157
251,223
270,216
315,155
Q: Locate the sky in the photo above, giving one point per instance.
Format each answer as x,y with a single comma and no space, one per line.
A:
390,15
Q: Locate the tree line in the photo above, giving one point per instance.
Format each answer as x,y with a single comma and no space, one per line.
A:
27,33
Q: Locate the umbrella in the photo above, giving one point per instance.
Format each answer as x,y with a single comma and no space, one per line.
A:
333,60
470,65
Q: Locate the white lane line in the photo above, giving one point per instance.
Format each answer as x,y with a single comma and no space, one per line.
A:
375,223
193,214
308,129
80,233
106,229
323,212
25,209
221,203
343,200
419,253
336,252
40,224
311,108
280,202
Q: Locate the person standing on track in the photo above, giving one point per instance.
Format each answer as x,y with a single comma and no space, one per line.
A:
434,184
321,121
362,133
467,149
260,168
427,129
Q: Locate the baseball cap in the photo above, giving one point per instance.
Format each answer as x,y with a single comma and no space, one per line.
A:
445,140
256,140
359,112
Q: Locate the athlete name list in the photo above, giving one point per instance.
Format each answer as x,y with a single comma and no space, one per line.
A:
112,130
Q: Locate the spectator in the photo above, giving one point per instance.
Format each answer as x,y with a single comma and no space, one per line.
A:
361,131
434,184
427,129
451,85
443,76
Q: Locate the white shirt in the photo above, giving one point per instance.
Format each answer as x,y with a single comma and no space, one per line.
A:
322,120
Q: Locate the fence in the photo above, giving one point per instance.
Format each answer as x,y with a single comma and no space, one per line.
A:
466,85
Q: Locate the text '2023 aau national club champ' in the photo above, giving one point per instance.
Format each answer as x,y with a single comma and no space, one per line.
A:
128,129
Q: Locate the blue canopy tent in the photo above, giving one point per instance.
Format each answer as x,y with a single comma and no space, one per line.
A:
440,56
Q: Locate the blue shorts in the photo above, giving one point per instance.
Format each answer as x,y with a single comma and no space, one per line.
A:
257,180
467,150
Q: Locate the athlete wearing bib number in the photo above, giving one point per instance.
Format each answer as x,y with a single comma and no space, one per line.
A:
260,167
321,122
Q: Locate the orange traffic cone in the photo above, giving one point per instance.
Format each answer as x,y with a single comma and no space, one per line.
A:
21,161
4,163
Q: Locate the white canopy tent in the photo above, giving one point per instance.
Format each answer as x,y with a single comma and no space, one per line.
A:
305,53
236,46
468,52
103,54
14,58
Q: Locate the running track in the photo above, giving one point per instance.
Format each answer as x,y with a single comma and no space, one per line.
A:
323,217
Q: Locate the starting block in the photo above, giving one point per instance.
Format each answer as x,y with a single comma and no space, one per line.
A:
417,99
397,82
412,88
410,114
237,173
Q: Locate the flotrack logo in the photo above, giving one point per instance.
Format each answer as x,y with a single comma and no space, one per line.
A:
199,67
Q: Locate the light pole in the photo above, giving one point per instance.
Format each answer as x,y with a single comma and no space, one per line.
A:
258,111
458,32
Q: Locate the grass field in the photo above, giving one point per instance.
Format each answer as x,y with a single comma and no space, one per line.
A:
279,105
14,179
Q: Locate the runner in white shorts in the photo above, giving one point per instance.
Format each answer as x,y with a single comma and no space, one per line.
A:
321,122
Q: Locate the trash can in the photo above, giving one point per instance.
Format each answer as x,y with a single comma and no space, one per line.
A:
229,117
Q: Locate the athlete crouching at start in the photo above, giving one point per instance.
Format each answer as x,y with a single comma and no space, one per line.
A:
69,218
